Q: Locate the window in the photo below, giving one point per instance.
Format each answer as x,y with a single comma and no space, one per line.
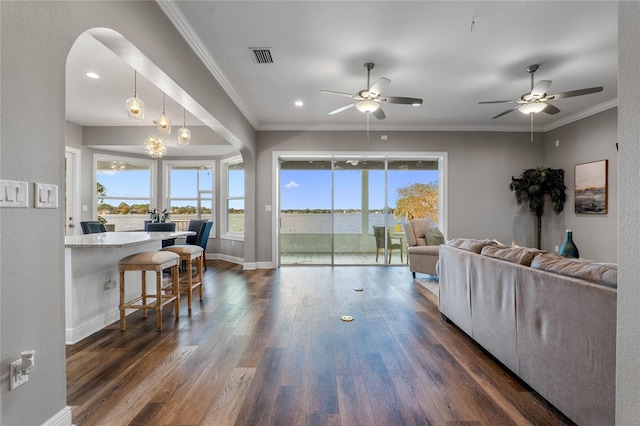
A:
189,191
233,219
125,191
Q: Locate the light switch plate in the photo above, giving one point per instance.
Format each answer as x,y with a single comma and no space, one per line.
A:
14,193
46,196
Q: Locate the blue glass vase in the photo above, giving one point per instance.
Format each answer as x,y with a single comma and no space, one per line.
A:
568,248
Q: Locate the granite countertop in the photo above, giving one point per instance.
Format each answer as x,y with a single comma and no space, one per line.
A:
120,239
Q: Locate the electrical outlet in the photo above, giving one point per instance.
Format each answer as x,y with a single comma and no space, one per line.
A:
17,378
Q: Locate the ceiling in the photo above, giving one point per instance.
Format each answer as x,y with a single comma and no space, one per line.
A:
451,54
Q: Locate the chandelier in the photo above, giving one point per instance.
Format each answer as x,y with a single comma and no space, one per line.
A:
154,147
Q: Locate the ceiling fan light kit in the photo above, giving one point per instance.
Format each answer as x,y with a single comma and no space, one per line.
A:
532,108
367,105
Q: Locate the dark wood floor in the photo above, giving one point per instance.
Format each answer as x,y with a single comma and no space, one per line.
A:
268,347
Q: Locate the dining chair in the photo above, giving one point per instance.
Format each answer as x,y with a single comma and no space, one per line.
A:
162,227
92,227
202,228
379,235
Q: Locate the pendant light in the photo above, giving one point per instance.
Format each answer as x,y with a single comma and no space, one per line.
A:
163,122
135,106
154,147
184,134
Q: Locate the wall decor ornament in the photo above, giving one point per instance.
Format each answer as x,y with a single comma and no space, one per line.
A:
591,187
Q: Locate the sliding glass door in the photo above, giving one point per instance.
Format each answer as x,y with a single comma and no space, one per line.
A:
350,210
305,212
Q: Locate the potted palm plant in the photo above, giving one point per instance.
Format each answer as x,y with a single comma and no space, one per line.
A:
534,186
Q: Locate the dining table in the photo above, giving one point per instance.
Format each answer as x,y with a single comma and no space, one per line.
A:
91,277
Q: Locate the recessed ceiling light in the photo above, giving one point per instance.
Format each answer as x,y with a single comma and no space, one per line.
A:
299,103
92,75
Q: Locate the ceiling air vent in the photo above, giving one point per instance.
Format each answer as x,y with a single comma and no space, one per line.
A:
261,55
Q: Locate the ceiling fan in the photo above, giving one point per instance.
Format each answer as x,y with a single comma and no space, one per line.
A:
537,100
368,100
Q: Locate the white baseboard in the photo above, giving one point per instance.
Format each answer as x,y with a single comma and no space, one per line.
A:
265,265
247,266
74,335
62,418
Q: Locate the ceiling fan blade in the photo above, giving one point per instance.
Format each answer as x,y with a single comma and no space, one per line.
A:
551,109
401,100
540,89
330,92
498,102
377,87
379,114
572,93
343,108
507,111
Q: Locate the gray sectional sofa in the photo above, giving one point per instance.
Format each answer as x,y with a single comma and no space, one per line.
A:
550,320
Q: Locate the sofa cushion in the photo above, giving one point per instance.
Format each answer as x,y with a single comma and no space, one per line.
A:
595,272
470,244
520,255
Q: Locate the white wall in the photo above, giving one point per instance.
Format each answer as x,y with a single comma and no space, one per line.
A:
628,337
590,139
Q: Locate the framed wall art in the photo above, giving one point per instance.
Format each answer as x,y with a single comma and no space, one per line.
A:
591,187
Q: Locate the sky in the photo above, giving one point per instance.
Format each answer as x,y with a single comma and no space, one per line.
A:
299,189
311,189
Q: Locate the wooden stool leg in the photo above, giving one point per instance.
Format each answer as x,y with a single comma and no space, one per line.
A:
144,293
159,300
123,317
199,267
176,288
189,283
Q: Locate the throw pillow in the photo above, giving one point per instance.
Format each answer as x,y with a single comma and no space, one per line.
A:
434,237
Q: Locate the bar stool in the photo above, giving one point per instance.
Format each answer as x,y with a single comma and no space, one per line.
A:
150,261
188,253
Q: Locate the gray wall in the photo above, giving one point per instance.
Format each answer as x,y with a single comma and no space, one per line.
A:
628,337
591,139
480,166
35,40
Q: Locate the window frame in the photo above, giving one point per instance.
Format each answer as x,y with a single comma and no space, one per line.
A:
153,190
166,199
225,198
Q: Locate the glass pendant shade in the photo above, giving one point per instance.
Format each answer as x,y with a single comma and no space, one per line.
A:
367,105
163,122
154,147
135,106
184,134
532,108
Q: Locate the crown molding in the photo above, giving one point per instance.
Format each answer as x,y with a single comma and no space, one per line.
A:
613,103
177,18
400,128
